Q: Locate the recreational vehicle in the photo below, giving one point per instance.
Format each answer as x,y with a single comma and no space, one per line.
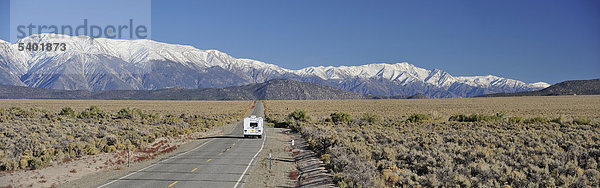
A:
253,126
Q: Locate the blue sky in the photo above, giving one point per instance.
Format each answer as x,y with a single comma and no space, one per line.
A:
115,13
533,40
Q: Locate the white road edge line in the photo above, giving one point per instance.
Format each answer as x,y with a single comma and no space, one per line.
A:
154,164
247,167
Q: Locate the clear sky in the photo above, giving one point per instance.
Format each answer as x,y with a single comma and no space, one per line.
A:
532,40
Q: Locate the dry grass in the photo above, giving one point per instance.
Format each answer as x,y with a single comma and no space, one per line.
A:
39,133
478,142
162,107
553,106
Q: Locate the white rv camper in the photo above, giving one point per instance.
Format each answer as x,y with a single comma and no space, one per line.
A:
253,126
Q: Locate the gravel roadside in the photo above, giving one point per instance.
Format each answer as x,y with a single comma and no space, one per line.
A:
291,166
278,144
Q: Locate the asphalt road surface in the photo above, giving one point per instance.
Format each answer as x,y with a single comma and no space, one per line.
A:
222,161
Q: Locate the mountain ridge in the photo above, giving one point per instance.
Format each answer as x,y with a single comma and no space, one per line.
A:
276,89
569,87
96,64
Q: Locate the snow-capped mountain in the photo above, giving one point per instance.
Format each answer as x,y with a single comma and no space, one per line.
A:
107,64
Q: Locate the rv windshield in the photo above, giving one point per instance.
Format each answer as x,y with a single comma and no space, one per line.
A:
253,124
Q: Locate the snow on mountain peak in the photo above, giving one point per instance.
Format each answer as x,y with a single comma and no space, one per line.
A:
491,80
540,84
143,53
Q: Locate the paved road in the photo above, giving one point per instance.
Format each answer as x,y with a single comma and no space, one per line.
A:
222,161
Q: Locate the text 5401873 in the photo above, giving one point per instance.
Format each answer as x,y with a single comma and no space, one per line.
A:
32,46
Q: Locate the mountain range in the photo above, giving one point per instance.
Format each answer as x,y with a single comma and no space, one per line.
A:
570,87
276,89
98,64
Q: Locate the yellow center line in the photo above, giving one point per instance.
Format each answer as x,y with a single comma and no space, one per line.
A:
227,149
173,183
221,153
233,144
208,160
194,169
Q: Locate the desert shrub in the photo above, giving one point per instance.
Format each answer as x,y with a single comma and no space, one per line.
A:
515,119
342,184
582,121
75,149
120,146
130,113
67,111
32,138
3,115
91,112
326,158
340,117
418,118
111,140
89,149
171,119
23,163
35,163
299,115
459,118
487,153
491,118
559,120
371,118
10,165
38,110
19,112
284,124
493,151
109,149
476,117
356,169
537,119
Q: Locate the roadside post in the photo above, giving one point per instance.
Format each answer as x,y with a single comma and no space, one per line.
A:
269,160
128,159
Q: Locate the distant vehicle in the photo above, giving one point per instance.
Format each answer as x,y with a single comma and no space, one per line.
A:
253,126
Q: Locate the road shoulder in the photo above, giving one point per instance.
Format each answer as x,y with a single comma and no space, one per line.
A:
278,144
